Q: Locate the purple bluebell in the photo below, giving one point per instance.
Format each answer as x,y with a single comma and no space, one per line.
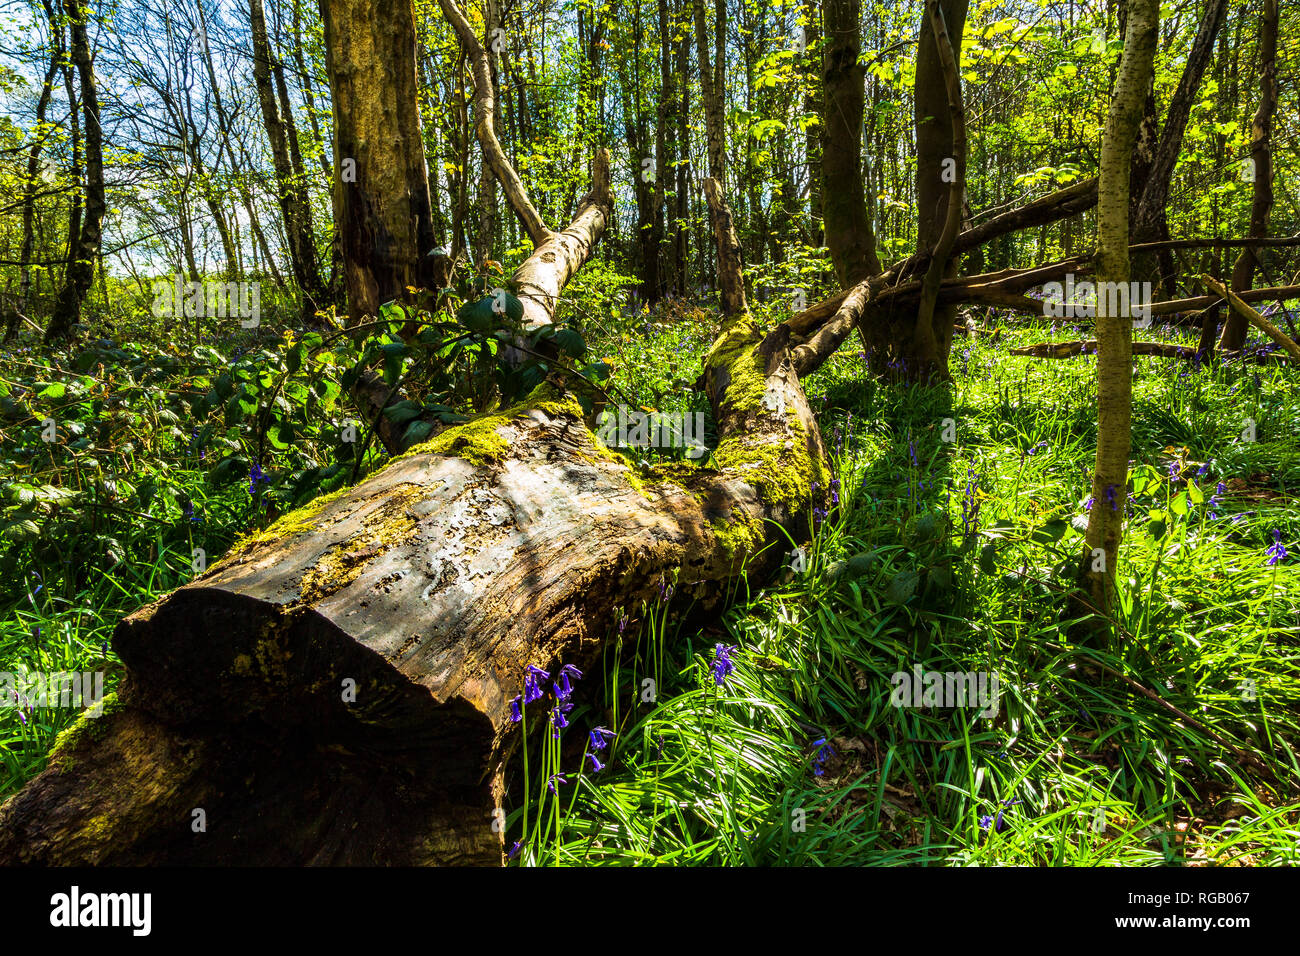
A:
563,689
722,663
532,684
1276,551
596,765
560,717
255,474
600,737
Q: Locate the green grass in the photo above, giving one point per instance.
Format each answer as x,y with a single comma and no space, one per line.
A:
1087,768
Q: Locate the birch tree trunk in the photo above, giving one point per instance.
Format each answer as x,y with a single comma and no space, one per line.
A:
1114,323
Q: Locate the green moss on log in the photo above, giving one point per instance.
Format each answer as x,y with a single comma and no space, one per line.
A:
69,737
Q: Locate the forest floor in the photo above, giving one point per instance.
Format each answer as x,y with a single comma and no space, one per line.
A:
946,556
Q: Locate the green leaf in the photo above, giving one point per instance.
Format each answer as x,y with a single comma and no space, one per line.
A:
571,342
402,412
988,554
1050,532
902,586
416,433
1179,504
393,353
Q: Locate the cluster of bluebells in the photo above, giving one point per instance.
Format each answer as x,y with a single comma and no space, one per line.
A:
998,825
562,689
723,665
598,739
255,475
824,753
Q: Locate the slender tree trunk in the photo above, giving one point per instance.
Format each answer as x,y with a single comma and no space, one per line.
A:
813,234
81,265
712,85
1151,221
291,191
936,166
24,304
1113,321
664,252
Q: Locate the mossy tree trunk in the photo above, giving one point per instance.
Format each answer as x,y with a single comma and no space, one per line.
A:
336,689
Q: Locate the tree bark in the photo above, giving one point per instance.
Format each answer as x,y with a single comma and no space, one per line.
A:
384,219
846,220
924,351
1115,326
81,263
291,190
932,335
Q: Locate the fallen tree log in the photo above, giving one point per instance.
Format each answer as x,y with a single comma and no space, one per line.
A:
1089,347
1253,317
337,689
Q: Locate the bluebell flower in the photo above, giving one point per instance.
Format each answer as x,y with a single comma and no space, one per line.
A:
722,663
560,717
563,689
1276,551
596,765
255,474
532,684
824,753
514,849
550,784
600,737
